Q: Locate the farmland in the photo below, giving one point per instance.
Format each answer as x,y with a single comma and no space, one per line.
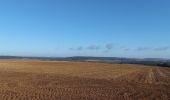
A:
62,80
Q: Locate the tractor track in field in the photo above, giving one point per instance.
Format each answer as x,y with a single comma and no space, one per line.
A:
150,77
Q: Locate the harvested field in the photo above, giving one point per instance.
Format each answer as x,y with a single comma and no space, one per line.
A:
52,80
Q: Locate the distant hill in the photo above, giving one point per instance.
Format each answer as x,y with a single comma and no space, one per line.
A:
112,60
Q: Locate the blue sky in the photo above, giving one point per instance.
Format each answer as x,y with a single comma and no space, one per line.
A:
59,28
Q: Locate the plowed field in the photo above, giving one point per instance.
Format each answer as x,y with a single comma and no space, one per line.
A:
52,80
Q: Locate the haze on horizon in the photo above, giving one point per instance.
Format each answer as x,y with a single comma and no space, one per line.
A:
59,28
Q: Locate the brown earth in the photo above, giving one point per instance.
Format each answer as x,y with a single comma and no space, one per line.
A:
47,80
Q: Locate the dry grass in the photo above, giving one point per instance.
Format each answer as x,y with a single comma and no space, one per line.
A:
45,80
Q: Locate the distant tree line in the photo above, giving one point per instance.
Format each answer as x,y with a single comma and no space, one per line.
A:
164,64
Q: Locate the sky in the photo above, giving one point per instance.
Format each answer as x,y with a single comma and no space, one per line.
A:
62,28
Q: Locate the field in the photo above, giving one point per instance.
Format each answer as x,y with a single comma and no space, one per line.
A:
52,80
